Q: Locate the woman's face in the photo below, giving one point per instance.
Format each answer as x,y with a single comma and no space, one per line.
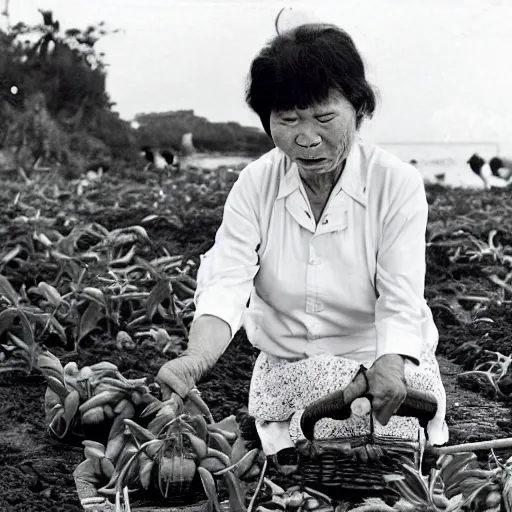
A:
318,139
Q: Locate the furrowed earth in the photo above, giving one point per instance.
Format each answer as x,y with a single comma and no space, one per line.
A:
36,470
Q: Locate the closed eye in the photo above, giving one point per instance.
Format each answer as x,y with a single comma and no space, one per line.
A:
326,118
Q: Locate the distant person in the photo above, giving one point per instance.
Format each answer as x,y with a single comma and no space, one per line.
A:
154,158
478,165
501,167
161,160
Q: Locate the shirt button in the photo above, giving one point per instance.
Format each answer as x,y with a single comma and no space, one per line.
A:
314,261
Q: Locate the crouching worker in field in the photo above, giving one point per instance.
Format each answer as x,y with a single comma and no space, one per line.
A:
326,237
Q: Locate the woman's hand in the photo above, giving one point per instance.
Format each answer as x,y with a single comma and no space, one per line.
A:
386,384
209,337
176,376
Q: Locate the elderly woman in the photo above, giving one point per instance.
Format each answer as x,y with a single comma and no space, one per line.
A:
320,255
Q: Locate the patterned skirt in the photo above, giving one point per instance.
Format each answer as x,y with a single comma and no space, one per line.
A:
281,389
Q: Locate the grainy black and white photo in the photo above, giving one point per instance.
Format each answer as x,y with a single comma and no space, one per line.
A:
256,256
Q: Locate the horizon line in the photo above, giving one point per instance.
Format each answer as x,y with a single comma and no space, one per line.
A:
440,143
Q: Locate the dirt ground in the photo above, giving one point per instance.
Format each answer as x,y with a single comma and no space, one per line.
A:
36,471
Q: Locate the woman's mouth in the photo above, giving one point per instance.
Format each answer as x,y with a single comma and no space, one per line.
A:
311,162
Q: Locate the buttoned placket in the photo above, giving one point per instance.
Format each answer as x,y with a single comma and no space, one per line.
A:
333,218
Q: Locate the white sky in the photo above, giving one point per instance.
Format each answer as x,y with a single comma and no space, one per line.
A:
443,67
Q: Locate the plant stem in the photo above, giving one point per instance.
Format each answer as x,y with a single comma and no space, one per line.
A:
495,444
258,487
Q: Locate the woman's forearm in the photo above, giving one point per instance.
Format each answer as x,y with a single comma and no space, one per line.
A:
208,339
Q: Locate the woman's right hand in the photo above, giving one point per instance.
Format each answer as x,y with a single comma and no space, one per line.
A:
208,338
176,376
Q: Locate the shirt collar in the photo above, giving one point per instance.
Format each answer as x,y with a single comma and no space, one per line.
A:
352,180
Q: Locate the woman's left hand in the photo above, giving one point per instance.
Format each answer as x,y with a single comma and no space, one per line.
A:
386,384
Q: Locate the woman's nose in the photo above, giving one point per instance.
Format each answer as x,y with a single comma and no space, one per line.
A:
308,140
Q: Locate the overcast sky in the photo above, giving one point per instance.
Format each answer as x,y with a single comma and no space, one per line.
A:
443,68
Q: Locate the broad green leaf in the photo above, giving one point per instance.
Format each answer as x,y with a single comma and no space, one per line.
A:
235,490
11,254
19,343
89,321
9,369
60,256
157,295
95,294
42,319
26,326
210,488
149,218
8,291
50,293
90,256
7,317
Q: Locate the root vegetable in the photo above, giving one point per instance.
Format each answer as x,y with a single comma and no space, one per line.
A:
107,467
212,464
71,404
93,416
136,398
109,412
198,445
238,450
210,488
140,434
103,366
229,436
101,399
212,452
200,426
311,504
154,447
57,386
123,404
176,469
114,447
95,293
146,465
57,425
88,443
295,500
124,340
118,425
220,443
493,499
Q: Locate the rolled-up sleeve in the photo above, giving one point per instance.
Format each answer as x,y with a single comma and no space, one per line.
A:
226,273
400,273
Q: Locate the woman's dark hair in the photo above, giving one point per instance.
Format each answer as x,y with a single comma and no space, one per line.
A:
298,68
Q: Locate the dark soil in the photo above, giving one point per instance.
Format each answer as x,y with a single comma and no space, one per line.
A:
36,471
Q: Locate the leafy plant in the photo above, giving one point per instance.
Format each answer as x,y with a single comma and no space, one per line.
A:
180,441
22,324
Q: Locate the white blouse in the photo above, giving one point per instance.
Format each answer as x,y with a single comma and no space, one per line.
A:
353,285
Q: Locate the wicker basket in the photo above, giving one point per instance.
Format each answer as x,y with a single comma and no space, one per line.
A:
325,466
